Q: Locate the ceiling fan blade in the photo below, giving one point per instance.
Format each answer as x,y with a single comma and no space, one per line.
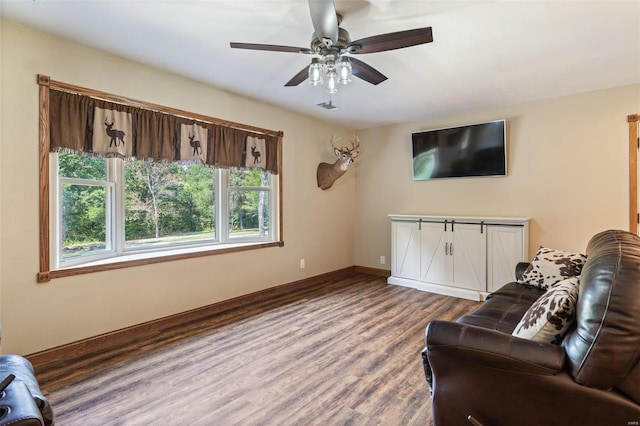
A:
299,78
366,72
270,47
325,20
391,41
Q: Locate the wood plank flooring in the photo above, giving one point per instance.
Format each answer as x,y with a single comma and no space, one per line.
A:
344,352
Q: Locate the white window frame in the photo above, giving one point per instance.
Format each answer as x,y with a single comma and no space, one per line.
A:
225,195
115,211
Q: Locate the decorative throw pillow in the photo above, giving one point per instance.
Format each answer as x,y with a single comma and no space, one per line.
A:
550,266
551,316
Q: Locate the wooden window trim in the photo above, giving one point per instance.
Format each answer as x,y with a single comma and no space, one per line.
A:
633,172
46,274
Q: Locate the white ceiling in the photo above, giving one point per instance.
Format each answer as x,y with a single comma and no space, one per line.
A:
484,53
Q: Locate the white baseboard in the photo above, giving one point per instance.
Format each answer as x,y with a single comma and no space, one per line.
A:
463,293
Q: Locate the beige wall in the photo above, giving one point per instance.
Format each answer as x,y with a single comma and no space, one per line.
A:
567,171
318,225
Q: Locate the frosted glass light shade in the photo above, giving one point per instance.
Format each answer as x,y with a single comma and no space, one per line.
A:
343,69
332,81
315,72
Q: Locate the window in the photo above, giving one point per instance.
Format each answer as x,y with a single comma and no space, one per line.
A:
200,193
248,204
86,195
115,209
168,204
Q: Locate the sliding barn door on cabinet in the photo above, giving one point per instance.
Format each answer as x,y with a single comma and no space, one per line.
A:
453,254
405,255
469,253
436,266
505,250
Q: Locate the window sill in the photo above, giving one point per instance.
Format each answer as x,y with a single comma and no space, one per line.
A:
139,259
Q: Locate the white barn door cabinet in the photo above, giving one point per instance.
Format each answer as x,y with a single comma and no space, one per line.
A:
458,256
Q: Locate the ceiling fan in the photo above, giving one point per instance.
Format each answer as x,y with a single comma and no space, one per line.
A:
332,44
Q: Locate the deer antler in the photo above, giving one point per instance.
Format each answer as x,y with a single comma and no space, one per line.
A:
334,138
355,144
106,121
192,135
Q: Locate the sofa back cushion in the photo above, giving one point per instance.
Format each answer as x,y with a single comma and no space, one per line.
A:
605,345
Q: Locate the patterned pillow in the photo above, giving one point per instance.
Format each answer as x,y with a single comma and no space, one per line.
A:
551,316
550,266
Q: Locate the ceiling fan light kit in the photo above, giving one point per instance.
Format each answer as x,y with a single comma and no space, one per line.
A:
331,43
325,70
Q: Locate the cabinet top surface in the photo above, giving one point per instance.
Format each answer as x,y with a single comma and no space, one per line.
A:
499,219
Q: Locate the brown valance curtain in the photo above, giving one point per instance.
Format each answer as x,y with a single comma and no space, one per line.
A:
84,124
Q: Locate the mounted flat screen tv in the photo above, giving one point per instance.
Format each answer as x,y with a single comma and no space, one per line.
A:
465,151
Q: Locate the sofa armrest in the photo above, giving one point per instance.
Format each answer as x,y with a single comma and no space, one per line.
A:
492,349
17,407
23,370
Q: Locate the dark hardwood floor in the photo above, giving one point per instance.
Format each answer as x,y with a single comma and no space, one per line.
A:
344,352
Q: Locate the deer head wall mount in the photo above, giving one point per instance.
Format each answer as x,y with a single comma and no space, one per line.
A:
327,173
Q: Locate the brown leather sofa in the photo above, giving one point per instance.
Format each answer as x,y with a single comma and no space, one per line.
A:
480,374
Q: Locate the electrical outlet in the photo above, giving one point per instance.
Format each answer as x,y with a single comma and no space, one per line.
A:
383,260
301,263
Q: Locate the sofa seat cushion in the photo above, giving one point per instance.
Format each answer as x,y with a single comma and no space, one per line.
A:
503,309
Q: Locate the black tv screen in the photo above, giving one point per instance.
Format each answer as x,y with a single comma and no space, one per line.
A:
473,150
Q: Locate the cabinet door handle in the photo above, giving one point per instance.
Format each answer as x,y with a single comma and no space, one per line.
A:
446,249
451,249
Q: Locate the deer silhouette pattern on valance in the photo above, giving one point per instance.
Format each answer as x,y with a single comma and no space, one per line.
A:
92,126
194,143
112,132
253,152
